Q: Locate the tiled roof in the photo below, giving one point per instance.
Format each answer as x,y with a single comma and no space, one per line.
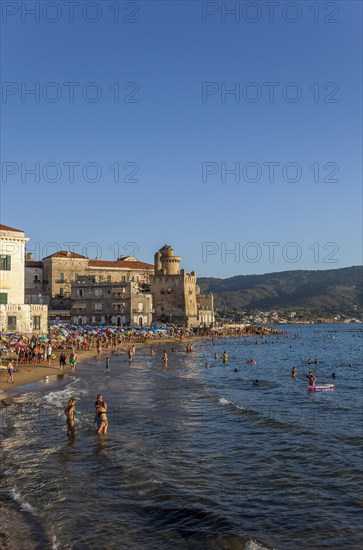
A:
120,264
66,254
7,228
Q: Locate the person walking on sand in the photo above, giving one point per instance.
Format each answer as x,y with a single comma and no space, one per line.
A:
11,372
49,353
69,411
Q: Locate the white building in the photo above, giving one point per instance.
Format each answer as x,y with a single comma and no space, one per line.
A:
15,315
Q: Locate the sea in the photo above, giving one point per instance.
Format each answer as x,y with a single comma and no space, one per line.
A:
197,455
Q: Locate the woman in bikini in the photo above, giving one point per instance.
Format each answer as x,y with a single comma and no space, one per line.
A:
101,414
69,412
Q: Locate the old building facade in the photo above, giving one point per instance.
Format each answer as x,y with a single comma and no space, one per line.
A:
50,280
15,314
121,303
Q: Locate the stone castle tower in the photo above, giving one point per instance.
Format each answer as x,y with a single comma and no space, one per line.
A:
174,291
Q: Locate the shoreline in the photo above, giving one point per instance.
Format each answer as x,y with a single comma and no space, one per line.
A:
32,373
25,374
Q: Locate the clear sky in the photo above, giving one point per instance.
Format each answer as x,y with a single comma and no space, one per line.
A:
135,94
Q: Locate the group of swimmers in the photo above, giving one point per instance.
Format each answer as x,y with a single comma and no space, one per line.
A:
100,421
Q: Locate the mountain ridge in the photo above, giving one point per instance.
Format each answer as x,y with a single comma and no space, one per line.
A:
328,291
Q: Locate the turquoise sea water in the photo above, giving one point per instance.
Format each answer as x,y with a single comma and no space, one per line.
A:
197,457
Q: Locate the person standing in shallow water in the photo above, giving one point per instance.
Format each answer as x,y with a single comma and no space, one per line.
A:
69,411
293,372
165,359
99,403
101,413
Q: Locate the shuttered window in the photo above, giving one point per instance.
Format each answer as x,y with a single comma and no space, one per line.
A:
5,262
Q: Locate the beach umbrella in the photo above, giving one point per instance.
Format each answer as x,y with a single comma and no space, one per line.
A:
21,345
43,339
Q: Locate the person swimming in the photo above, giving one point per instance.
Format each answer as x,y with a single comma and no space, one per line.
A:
293,372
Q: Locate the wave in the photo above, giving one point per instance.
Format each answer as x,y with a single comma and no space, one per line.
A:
24,505
58,398
224,402
254,545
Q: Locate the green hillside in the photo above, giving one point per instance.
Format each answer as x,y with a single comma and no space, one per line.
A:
327,292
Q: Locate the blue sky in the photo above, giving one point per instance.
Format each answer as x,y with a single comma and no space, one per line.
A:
169,134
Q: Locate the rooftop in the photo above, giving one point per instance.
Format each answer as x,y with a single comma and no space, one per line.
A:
66,254
133,264
7,228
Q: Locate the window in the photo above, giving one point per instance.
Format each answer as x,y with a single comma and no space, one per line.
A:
5,262
36,278
80,292
108,278
3,297
123,279
36,322
75,277
12,323
97,307
140,306
61,292
61,277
